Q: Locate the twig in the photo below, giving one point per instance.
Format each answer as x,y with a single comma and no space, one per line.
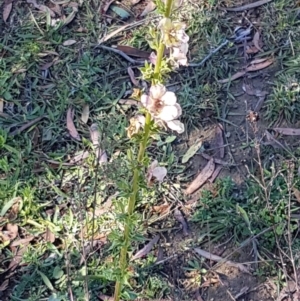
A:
248,6
121,53
209,55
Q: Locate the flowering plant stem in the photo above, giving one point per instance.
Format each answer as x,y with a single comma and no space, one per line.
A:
136,174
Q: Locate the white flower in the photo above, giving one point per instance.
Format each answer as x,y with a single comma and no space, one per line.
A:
163,107
173,33
179,56
155,172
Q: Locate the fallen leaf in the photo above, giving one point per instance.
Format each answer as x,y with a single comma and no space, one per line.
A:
49,236
203,176
147,248
180,218
130,102
215,174
12,230
81,156
132,76
4,285
287,131
7,9
26,126
296,193
69,42
1,105
134,2
70,125
41,7
216,258
192,151
67,20
255,65
219,142
85,113
233,77
256,41
162,208
251,50
132,51
149,8
22,242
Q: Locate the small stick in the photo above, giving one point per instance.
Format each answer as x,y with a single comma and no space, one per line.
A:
209,55
26,125
248,6
125,56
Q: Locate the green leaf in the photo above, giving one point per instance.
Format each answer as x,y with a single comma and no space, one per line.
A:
7,206
120,12
243,213
57,272
46,281
192,151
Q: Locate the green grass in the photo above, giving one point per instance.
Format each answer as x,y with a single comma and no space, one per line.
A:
38,194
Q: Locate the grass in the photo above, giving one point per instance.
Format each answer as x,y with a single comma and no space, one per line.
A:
40,194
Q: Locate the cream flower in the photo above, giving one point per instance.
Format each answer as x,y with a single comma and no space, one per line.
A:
179,56
136,123
163,107
173,33
155,172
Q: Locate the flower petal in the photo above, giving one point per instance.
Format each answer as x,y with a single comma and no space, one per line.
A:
159,173
169,113
169,98
146,100
176,126
157,91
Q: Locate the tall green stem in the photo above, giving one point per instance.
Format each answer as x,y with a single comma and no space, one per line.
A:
136,173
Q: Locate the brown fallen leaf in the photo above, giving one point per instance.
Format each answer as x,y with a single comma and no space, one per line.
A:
251,50
7,6
215,174
149,8
130,102
198,296
22,242
163,208
203,176
219,141
49,236
255,65
4,285
287,131
12,231
132,51
1,105
180,218
147,248
70,125
216,258
132,76
106,6
41,7
256,41
79,157
296,193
